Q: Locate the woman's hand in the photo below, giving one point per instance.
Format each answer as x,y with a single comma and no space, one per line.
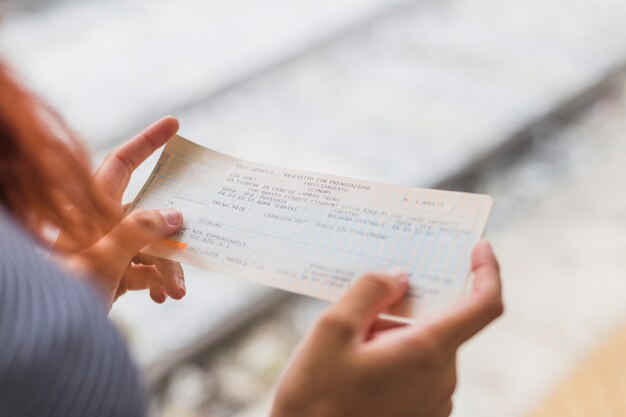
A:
110,262
355,364
112,258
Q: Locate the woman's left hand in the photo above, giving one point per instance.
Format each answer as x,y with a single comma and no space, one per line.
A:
140,271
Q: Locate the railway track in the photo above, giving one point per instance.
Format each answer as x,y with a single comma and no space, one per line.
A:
442,88
467,178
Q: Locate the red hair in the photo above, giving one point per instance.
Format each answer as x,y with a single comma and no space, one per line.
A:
44,171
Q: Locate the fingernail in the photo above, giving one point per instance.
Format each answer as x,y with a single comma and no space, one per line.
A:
181,284
172,217
401,276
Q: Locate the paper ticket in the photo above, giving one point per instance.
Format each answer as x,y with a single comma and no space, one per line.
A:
311,233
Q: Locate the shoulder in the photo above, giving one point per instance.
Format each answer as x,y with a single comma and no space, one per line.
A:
61,356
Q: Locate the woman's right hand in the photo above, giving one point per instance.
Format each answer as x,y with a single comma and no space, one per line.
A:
354,364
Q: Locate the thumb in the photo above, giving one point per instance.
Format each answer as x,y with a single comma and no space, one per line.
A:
137,230
476,310
368,297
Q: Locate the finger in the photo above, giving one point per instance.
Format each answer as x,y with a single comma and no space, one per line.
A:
141,277
114,173
122,287
475,311
157,293
138,229
367,298
172,274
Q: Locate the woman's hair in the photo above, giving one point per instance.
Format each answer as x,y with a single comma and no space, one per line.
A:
45,178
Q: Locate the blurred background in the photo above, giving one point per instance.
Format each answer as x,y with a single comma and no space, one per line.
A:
523,100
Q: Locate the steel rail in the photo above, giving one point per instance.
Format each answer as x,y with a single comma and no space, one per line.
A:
159,374
343,33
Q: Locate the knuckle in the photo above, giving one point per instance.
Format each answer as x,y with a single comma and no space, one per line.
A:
377,283
145,219
447,409
336,324
120,155
449,388
494,307
430,345
498,309
430,351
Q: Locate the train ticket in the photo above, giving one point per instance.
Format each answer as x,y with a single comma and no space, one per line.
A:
313,234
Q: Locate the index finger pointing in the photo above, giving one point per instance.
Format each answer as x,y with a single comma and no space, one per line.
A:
476,310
